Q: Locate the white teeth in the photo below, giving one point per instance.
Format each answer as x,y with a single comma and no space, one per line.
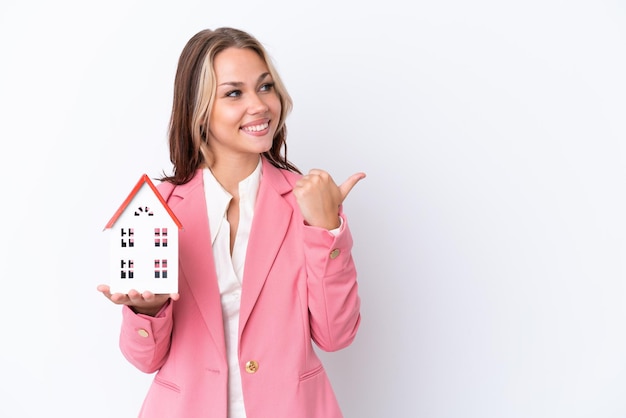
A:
256,128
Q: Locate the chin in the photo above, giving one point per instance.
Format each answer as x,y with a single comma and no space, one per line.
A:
266,146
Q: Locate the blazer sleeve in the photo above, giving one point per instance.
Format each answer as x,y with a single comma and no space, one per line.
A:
333,299
145,340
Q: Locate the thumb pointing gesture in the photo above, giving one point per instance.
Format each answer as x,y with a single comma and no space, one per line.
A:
347,185
319,197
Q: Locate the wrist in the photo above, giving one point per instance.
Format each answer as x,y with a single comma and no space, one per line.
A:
326,224
146,311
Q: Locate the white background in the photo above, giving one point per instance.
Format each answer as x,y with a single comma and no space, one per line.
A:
489,230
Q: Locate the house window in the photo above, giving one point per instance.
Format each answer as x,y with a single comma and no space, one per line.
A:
127,269
128,239
143,210
160,269
160,237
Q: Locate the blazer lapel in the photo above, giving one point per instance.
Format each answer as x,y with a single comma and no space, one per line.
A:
269,226
196,256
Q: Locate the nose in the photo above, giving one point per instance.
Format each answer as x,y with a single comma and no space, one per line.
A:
257,105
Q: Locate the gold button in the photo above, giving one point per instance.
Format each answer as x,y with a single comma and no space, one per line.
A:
334,253
142,333
252,366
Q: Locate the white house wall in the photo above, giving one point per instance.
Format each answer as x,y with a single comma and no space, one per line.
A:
144,253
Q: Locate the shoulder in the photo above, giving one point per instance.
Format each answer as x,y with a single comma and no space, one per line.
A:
290,176
278,176
167,188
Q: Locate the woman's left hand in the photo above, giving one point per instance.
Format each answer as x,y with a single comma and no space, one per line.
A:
319,197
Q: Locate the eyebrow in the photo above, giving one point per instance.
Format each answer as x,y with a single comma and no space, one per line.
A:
239,83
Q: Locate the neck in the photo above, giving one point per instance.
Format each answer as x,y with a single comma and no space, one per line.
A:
230,172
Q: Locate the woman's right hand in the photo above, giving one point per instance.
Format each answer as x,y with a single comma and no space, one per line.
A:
146,303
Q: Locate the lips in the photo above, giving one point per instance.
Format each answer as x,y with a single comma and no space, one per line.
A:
256,127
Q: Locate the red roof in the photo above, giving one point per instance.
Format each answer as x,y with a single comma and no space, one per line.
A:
144,179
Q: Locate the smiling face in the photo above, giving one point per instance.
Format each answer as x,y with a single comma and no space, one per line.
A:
246,109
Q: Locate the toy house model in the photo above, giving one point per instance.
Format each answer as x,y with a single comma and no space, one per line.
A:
144,243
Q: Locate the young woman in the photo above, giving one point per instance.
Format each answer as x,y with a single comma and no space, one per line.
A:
265,265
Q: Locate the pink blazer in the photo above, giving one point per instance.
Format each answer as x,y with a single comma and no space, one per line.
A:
299,286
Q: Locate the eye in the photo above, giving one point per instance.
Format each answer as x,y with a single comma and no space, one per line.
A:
267,87
233,93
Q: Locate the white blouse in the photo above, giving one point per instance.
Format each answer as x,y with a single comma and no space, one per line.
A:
230,269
